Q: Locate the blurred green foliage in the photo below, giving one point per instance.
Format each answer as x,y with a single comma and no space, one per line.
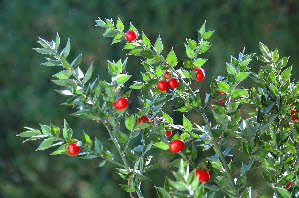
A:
27,96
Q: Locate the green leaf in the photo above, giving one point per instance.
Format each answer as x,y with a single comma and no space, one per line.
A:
122,137
122,78
264,49
67,131
223,86
146,41
200,191
60,150
29,133
112,68
137,85
199,62
101,23
88,114
45,144
202,30
43,51
282,192
275,90
57,42
55,131
167,117
189,52
192,44
162,145
65,52
127,189
98,146
64,74
283,62
158,45
172,59
242,76
162,193
208,34
86,140
66,64
88,74
130,122
102,163
45,129
119,25
187,124
77,61
275,55
185,109
230,69
286,74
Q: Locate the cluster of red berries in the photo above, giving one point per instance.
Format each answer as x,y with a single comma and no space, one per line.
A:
172,83
293,111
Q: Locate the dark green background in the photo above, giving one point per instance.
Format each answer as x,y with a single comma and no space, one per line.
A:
27,97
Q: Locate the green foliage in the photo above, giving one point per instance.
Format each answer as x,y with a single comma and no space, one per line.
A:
265,134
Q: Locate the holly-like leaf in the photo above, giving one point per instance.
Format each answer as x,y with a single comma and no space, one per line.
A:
137,85
88,74
242,76
172,59
98,146
45,144
187,124
122,137
67,131
223,86
65,52
199,62
130,122
146,41
158,45
122,78
167,117
64,74
119,24
162,145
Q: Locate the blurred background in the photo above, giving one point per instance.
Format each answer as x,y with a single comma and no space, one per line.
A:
27,97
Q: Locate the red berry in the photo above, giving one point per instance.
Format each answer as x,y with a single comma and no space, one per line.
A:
168,133
131,35
121,103
176,146
143,118
288,185
165,75
200,73
224,99
294,118
293,111
173,83
73,149
162,85
203,175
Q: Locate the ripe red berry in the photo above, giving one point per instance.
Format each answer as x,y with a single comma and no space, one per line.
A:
121,103
73,149
165,75
143,118
173,83
288,185
294,118
162,85
293,111
131,35
176,146
200,73
224,99
168,133
203,175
